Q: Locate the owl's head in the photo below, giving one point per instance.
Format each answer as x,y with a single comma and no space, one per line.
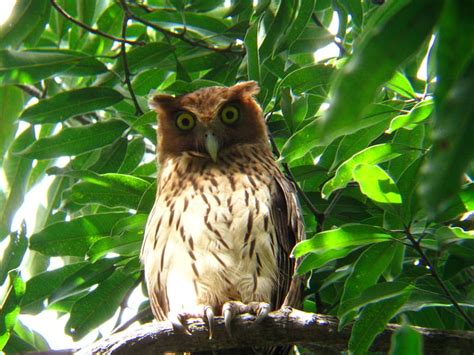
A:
209,120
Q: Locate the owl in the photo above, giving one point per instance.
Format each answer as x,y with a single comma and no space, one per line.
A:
225,219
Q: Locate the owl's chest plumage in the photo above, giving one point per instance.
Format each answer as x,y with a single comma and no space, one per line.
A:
210,237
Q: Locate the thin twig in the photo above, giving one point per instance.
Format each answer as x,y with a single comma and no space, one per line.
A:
91,29
181,36
436,276
137,317
332,203
30,90
124,303
126,69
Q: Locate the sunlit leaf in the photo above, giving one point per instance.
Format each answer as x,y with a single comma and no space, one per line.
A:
371,155
13,253
77,140
376,184
394,38
99,305
347,235
11,306
419,113
76,236
70,103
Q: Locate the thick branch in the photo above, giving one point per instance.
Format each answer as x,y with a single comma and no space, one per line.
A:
286,326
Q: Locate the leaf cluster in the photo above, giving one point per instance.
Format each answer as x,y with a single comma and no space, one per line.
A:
382,156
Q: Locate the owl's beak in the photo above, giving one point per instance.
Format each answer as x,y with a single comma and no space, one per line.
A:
212,145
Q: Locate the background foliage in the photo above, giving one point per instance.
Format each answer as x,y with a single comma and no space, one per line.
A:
385,174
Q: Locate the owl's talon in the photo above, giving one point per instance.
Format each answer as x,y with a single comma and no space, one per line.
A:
228,316
263,309
177,323
210,319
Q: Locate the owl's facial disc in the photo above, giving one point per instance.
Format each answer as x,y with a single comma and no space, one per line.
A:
212,145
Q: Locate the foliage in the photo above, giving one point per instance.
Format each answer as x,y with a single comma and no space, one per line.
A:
384,174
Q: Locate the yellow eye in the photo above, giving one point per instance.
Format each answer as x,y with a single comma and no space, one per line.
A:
185,121
230,114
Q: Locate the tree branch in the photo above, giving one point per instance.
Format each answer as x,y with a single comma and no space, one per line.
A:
439,281
91,29
286,326
126,69
181,36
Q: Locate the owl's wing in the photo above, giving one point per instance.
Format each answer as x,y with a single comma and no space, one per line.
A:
157,290
289,230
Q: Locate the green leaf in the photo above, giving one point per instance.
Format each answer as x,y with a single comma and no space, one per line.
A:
419,113
11,104
251,45
406,340
13,253
70,103
372,321
110,190
371,155
200,23
298,25
395,38
133,156
353,143
74,237
28,67
17,171
376,184
11,306
100,304
374,294
314,261
277,27
310,136
77,140
354,8
127,244
25,17
400,84
345,236
88,275
297,80
453,37
452,150
139,58
41,286
25,340
366,271
111,157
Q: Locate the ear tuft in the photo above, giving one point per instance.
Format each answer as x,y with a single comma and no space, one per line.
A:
247,88
160,100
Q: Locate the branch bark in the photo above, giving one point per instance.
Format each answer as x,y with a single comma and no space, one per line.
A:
286,326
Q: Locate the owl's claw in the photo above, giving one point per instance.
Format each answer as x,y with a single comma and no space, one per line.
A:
210,319
262,310
230,309
178,319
